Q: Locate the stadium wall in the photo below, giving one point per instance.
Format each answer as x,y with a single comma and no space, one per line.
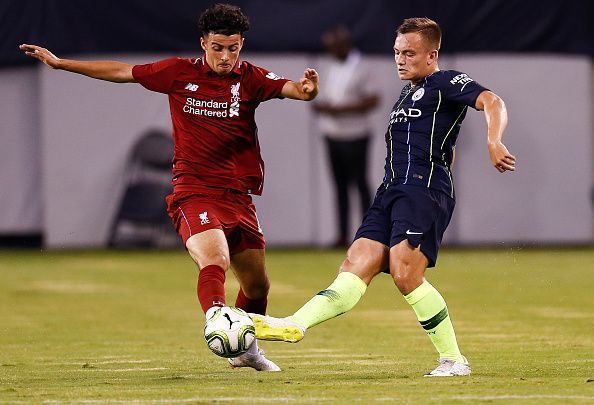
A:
65,140
20,152
156,26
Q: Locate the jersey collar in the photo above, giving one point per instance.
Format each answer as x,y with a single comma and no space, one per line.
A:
204,68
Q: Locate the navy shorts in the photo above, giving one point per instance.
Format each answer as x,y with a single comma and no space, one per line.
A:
418,214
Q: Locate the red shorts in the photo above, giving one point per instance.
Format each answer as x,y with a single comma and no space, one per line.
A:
205,208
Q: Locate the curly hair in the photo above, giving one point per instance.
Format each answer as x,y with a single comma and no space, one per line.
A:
223,19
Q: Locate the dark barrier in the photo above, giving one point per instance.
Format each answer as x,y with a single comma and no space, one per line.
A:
78,27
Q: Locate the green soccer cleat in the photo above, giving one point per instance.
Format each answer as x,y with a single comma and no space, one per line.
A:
277,329
450,368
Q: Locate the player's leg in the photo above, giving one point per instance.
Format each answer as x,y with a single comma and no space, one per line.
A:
247,244
247,247
367,256
195,217
407,267
416,236
210,252
250,270
365,259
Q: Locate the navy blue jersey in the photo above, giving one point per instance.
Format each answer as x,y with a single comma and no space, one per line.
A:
423,129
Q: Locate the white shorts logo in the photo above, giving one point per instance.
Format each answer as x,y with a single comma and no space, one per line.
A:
418,94
204,218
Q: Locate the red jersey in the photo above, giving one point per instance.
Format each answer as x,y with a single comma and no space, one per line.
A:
214,130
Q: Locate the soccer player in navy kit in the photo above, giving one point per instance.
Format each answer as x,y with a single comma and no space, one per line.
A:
402,231
216,162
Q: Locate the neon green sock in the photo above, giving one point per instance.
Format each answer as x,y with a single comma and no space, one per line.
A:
432,313
341,296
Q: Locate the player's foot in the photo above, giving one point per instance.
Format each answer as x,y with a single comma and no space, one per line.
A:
256,361
209,314
450,368
278,329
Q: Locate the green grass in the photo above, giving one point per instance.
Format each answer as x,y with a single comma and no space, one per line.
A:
110,327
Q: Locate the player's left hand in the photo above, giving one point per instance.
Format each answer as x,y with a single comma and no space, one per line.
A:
309,81
501,158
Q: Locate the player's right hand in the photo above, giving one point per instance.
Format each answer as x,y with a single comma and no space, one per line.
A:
41,54
309,81
501,158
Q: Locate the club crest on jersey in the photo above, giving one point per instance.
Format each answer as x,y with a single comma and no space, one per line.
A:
403,114
234,107
417,95
204,218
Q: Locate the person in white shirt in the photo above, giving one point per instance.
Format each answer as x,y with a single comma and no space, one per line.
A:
343,111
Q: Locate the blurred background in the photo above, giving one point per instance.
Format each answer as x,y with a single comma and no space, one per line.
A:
69,152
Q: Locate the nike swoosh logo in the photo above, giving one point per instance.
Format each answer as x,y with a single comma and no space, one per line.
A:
409,232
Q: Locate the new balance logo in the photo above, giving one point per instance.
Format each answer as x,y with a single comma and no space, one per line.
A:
204,218
273,76
191,87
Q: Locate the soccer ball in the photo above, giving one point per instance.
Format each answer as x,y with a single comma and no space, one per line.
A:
229,332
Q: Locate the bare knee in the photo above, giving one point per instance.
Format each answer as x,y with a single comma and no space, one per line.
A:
406,277
366,259
249,268
219,259
257,290
407,267
213,252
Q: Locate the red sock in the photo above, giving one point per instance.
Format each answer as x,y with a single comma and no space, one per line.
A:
211,287
254,306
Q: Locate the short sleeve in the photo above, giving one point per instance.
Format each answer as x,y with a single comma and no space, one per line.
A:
158,76
265,84
459,87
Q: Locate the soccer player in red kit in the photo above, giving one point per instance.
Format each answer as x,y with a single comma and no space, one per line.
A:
216,162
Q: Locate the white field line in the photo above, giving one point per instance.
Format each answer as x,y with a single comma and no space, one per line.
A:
310,351
127,369
347,362
92,363
535,396
193,399
326,356
97,369
285,399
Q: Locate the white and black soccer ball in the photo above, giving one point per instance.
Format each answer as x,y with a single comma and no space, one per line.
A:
229,332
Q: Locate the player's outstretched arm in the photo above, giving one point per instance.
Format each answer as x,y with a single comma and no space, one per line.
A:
496,116
112,71
306,89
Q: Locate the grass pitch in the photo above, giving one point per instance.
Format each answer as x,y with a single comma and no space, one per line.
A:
117,327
